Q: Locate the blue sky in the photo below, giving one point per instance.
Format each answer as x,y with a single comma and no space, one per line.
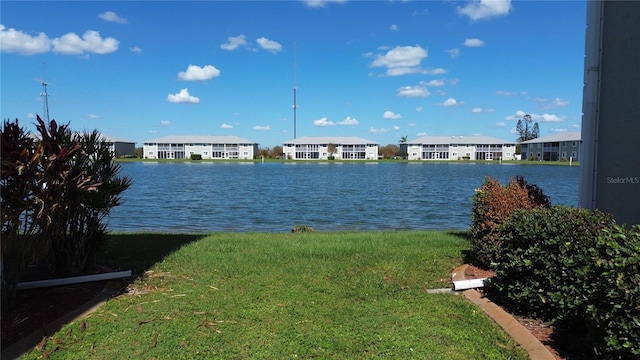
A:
378,70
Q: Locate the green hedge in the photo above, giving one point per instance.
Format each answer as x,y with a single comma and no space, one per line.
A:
196,157
577,268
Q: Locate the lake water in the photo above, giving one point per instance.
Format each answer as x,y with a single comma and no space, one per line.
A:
273,197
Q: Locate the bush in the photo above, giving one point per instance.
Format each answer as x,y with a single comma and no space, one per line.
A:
196,157
301,228
577,268
492,205
613,307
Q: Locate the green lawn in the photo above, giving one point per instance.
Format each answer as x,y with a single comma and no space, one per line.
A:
343,295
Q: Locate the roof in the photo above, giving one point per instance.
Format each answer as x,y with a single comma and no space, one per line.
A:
200,139
468,140
113,139
338,140
557,137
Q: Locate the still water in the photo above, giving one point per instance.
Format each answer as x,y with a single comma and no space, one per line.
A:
273,197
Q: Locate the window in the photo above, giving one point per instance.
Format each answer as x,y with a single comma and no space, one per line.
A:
564,154
454,154
507,154
575,143
205,153
245,153
573,154
150,152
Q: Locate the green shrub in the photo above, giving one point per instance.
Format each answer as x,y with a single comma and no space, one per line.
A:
545,259
492,205
302,228
613,310
196,157
577,268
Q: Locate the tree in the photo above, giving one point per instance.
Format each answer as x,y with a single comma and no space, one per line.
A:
276,152
389,151
331,149
403,147
526,130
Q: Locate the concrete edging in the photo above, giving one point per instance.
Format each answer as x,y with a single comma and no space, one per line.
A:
30,341
533,346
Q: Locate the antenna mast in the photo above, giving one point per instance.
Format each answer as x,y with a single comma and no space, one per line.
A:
295,88
45,99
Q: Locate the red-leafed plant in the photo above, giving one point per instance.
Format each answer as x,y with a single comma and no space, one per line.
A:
492,206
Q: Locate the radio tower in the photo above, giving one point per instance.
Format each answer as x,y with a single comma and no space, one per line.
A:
45,101
295,105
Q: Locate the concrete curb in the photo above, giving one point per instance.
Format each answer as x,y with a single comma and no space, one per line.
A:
30,341
536,350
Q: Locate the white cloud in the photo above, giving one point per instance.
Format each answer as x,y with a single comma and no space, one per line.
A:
401,60
535,117
321,3
233,42
549,118
454,53
93,116
182,97
262,128
390,115
554,103
419,109
269,45
508,93
135,49
450,102
165,122
473,43
485,9
112,17
14,41
396,127
436,71
91,42
349,121
197,73
432,83
482,110
394,27
378,131
226,126
413,91
421,134
501,124
323,122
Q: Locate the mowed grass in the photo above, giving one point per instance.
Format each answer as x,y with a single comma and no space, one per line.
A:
352,295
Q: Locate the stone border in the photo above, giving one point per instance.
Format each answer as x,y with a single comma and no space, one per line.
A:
533,346
27,343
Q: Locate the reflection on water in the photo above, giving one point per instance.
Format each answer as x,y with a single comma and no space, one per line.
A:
273,197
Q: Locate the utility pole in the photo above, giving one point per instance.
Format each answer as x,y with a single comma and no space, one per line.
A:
295,88
45,97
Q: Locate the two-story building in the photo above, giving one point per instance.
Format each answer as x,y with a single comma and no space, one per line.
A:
325,147
458,148
209,147
561,146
